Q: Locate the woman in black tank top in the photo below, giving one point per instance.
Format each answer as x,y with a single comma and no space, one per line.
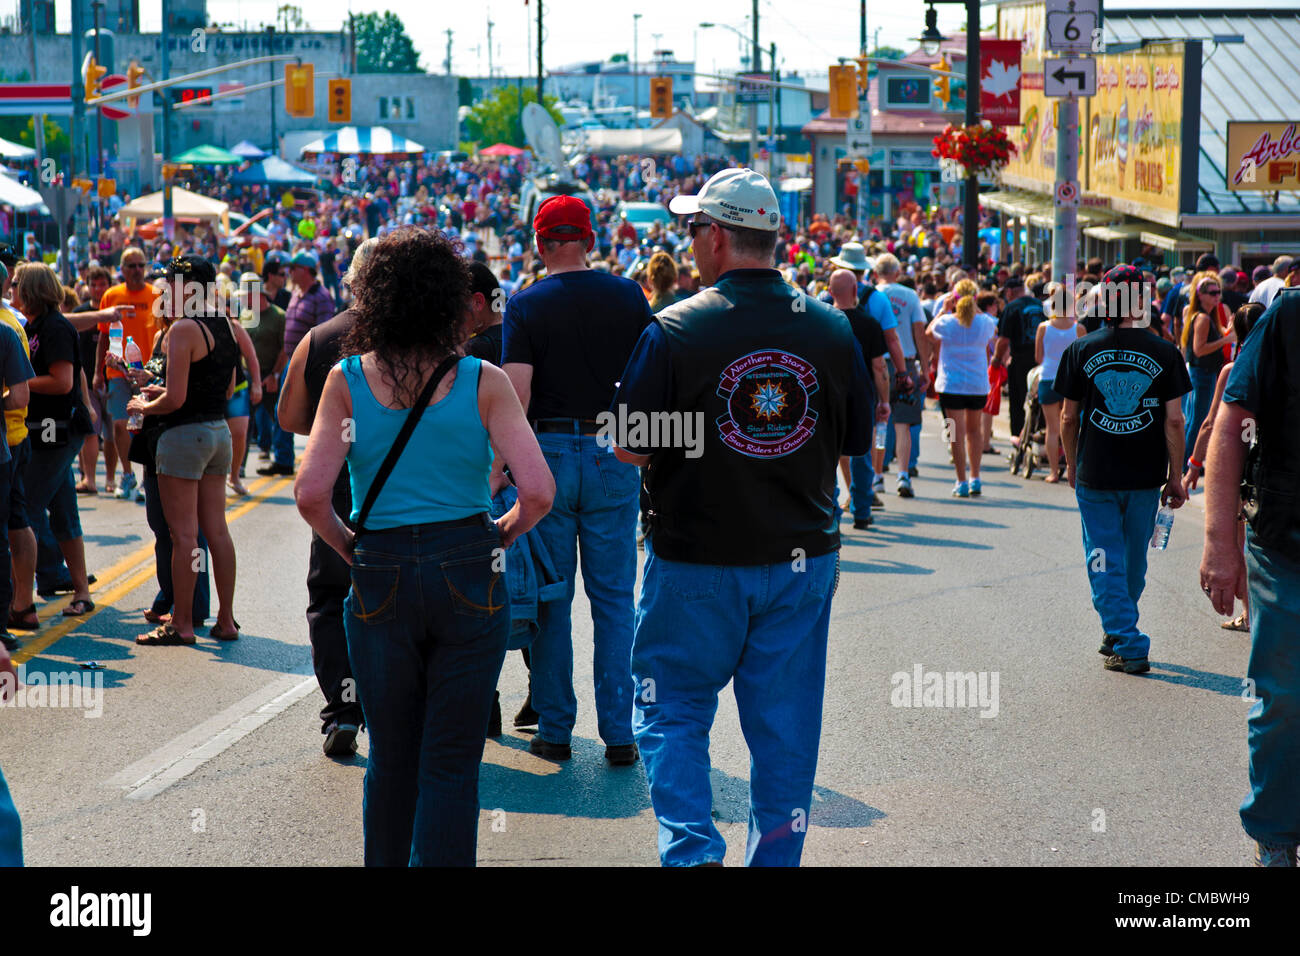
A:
193,451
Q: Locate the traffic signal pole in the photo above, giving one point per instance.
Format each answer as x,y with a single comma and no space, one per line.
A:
1065,227
77,127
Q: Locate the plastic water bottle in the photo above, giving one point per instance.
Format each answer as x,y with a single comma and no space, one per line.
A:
133,358
115,339
1164,524
882,433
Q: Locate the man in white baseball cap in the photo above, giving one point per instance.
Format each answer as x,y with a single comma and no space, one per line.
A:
740,521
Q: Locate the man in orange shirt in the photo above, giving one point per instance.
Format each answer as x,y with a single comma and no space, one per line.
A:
134,291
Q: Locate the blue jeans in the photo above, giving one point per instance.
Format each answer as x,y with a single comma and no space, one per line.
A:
595,508
1271,813
52,506
891,440
282,452
11,829
426,622
263,424
763,627
1202,394
860,494
1117,527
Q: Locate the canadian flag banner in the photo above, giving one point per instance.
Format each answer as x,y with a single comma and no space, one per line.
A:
1000,82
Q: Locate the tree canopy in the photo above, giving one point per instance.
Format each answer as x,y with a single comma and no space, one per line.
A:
496,117
382,44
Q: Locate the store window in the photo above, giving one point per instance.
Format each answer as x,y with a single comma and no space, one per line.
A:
396,108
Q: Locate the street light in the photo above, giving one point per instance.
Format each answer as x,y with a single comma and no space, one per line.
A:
931,40
636,87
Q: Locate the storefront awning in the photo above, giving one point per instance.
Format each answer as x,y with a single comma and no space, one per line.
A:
1176,241
1117,233
1015,203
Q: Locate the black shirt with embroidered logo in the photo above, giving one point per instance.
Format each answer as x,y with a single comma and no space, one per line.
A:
1122,379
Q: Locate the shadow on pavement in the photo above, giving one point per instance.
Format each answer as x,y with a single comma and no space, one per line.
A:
1224,684
830,808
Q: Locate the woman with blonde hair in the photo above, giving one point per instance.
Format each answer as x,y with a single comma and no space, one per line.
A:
960,339
663,277
1207,328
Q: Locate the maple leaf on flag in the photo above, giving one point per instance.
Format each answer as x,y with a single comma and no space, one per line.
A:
1001,79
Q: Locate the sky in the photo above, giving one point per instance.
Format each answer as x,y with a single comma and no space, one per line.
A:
810,34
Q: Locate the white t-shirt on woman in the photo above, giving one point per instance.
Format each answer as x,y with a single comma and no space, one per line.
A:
963,359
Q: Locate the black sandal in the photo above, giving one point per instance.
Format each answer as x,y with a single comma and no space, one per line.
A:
17,620
164,635
216,634
79,607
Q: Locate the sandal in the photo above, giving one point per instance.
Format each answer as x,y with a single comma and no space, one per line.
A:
219,635
164,635
110,488
153,617
79,607
18,619
1237,624
86,489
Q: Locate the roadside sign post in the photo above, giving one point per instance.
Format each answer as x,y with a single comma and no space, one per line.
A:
1073,28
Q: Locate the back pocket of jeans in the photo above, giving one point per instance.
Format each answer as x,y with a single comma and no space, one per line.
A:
691,582
475,587
620,480
374,592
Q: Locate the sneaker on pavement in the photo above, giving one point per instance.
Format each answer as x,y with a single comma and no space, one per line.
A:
913,472
975,487
341,741
527,717
126,488
878,484
275,469
961,490
622,755
549,751
1129,665
876,502
1275,854
905,487
861,524
9,641
1107,646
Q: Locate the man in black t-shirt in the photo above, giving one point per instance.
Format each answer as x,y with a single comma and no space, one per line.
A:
487,307
566,341
1122,427
1017,329
98,279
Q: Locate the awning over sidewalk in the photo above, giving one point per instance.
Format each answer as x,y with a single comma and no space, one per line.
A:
1118,232
1176,241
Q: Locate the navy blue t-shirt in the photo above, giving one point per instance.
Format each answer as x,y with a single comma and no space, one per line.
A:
577,330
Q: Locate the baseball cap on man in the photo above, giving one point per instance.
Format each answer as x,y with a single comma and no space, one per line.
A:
1259,274
306,260
737,197
563,217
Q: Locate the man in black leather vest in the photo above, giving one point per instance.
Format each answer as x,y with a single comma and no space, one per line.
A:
739,401
1257,435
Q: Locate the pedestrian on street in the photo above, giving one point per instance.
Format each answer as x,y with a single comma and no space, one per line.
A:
1017,333
1207,328
1122,426
960,340
429,613
567,339
907,365
1050,343
742,555
1262,402
328,578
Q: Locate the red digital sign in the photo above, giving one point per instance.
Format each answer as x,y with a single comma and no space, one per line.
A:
188,94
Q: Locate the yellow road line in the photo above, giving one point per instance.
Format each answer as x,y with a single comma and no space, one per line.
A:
128,583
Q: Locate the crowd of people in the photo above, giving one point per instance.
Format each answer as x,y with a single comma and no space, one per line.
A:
525,336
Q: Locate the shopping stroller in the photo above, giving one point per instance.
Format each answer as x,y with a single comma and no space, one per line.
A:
1031,452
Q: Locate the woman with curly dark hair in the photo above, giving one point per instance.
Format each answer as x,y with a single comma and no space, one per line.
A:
428,614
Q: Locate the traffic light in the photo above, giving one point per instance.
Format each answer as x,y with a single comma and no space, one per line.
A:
844,92
299,90
340,101
133,74
91,76
941,83
661,96
863,82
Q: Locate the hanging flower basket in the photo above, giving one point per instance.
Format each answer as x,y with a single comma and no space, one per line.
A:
978,150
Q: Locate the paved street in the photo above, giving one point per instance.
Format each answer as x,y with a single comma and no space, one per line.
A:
211,755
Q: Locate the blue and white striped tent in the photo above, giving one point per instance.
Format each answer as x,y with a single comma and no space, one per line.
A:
372,140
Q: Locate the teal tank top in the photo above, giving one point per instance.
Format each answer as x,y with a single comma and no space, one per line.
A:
442,474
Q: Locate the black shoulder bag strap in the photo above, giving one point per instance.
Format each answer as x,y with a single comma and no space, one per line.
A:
395,452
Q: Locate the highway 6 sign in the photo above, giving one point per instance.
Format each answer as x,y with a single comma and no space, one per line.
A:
1073,26
1070,76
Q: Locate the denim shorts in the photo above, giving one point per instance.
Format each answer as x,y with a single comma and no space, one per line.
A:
119,393
194,450
18,458
99,405
1048,395
239,405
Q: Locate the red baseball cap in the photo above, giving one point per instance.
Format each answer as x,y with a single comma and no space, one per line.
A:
559,212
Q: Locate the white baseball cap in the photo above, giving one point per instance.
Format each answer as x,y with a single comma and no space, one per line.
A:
738,197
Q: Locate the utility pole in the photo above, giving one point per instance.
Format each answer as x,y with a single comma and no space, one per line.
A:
449,52
772,94
78,124
864,113
98,7
636,89
38,121
270,50
971,215
489,19
539,53
1065,228
755,67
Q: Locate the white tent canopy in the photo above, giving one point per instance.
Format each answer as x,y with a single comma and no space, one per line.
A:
15,194
184,203
622,142
9,150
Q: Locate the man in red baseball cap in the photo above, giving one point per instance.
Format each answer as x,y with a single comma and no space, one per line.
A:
565,343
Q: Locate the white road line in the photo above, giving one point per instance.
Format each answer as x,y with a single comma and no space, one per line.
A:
177,759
